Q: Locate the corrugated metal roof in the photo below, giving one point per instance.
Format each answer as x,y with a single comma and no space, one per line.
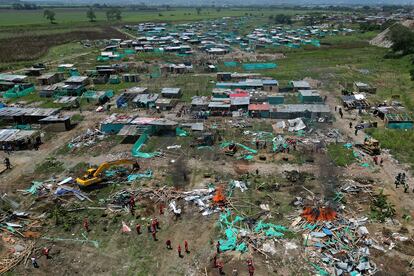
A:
170,90
259,107
300,84
10,135
20,111
291,108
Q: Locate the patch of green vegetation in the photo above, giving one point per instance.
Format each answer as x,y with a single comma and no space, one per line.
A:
340,155
398,141
63,150
50,165
77,118
63,218
79,168
381,208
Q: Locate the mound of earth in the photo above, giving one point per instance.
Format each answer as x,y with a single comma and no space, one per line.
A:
381,39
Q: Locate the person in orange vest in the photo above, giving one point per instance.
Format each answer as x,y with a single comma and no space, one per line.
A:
168,243
179,251
220,266
132,201
218,247
186,247
86,224
215,260
154,235
250,267
138,228
45,252
157,223
154,224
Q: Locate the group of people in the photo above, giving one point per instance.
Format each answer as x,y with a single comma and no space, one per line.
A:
219,264
45,252
401,179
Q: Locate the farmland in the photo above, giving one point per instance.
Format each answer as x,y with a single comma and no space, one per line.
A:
77,16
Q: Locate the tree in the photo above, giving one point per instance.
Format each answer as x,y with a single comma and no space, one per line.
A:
198,9
283,19
91,15
113,14
402,39
49,15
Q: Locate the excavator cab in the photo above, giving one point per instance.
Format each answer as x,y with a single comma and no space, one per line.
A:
370,146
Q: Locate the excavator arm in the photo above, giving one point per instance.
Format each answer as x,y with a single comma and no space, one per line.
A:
107,165
93,176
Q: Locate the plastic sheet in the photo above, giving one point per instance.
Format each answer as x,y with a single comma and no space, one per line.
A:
181,132
146,174
138,145
34,188
259,66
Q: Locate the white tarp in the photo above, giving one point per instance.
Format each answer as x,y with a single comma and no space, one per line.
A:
296,124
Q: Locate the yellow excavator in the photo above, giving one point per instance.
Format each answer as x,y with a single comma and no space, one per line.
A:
94,175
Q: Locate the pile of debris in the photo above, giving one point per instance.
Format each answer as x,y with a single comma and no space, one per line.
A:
335,244
87,139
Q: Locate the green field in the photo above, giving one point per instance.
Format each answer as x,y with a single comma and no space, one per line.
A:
78,15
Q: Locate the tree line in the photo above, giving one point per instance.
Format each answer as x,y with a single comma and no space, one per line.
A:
112,14
402,39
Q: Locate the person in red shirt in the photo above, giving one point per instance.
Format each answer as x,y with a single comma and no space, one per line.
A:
86,224
186,247
168,243
45,252
251,270
215,261
220,266
250,267
179,251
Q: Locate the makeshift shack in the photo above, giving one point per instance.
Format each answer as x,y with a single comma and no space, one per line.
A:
18,139
309,96
20,115
114,123
361,87
292,111
299,85
145,100
50,78
169,92
56,123
165,104
259,110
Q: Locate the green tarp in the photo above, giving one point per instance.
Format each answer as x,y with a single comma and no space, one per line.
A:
259,66
226,144
35,186
146,174
180,132
231,63
231,232
138,145
17,92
